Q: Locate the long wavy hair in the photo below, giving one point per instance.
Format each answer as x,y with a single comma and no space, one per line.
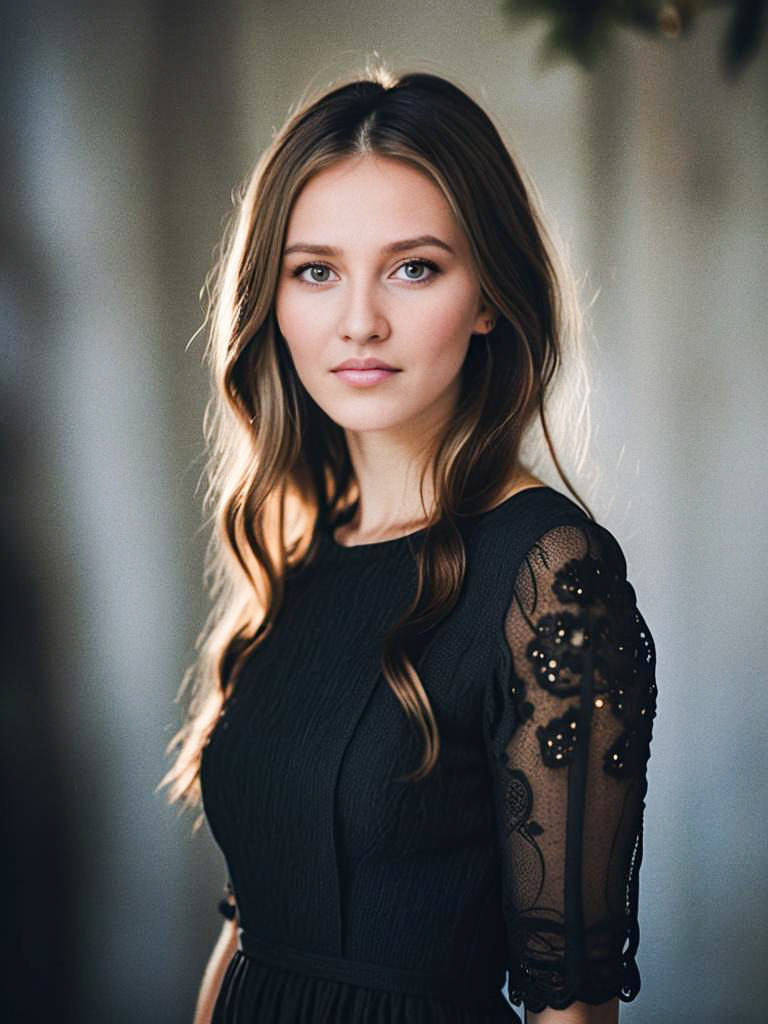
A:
278,468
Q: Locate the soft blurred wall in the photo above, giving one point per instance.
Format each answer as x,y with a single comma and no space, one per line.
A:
126,127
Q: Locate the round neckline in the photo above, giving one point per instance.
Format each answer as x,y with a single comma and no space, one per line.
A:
372,547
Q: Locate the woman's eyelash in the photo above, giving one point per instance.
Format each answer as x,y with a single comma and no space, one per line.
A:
406,263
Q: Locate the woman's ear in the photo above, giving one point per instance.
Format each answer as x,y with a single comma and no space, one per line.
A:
486,319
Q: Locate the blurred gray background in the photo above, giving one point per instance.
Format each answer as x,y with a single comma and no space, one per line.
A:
126,128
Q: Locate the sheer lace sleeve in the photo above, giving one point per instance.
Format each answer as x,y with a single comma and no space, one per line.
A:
568,724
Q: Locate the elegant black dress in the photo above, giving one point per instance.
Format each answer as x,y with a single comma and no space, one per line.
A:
365,899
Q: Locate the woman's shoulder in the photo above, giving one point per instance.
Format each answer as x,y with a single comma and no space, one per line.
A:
523,513
536,517
540,558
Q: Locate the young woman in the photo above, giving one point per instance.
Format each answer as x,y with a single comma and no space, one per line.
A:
423,706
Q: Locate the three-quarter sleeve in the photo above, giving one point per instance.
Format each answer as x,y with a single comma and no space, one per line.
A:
568,725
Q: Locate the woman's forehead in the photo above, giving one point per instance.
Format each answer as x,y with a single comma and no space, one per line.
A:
379,200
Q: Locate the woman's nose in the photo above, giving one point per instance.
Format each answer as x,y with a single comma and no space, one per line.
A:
363,316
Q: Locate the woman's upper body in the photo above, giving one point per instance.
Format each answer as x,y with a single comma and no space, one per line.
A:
424,751
521,851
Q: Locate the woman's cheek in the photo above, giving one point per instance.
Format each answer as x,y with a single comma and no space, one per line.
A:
451,313
445,340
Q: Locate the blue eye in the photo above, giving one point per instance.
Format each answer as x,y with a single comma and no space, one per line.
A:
310,266
299,271
420,263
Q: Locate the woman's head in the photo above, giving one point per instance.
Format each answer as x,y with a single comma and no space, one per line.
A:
475,326
438,157
376,266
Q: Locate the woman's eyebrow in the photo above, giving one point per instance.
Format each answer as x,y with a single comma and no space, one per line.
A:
406,243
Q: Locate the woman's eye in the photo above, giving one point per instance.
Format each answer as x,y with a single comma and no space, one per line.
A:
420,265
321,267
318,270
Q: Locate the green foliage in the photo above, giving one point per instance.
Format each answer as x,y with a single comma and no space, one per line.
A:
581,30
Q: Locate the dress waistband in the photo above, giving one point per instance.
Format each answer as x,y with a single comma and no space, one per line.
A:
366,975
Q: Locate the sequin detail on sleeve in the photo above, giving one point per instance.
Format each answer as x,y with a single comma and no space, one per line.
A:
568,725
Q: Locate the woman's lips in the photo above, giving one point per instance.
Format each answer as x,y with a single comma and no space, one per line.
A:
365,378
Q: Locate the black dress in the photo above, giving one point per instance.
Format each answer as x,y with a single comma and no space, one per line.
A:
365,899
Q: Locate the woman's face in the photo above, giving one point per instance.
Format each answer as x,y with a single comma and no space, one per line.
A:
360,281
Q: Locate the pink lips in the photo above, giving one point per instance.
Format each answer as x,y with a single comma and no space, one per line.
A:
364,378
364,372
363,364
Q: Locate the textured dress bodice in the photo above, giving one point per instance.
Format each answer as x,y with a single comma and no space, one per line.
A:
363,897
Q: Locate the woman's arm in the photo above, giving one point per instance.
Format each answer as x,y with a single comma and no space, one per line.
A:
568,716
214,972
578,1013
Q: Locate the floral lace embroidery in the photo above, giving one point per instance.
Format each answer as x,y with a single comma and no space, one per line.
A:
600,653
560,651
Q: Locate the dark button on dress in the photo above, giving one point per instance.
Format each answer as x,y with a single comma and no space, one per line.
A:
366,899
